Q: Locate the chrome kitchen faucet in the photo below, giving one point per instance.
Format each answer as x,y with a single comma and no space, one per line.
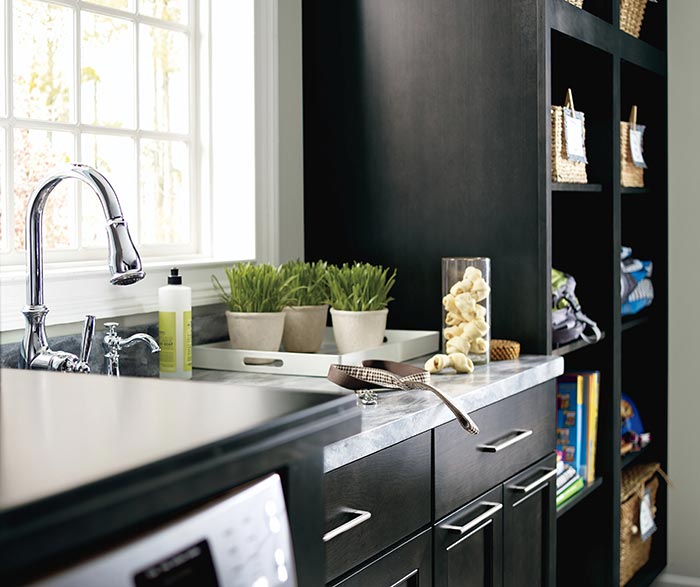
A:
114,343
124,264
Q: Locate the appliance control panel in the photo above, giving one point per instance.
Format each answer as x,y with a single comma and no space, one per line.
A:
239,540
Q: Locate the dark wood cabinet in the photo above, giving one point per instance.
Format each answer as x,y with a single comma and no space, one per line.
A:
529,527
469,544
375,502
503,537
427,134
407,565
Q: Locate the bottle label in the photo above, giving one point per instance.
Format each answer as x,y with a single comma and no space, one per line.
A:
187,338
166,339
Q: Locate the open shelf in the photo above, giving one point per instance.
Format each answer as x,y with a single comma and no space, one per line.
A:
629,458
633,321
634,190
577,187
574,346
581,495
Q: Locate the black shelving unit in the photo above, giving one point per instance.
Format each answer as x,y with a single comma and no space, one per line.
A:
565,349
577,187
580,496
427,134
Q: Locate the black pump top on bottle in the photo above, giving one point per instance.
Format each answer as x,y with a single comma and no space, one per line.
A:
174,278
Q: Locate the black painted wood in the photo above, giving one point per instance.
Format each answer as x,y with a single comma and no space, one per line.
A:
418,147
408,565
394,485
402,110
473,558
463,470
529,527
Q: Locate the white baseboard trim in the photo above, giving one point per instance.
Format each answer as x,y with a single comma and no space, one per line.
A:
667,580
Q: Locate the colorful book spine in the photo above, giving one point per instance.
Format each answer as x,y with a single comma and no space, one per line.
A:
571,432
592,401
569,483
566,476
570,492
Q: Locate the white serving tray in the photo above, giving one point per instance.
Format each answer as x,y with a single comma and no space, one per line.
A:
400,345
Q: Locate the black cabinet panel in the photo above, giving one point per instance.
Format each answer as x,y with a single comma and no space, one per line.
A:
409,565
379,499
529,526
514,433
469,544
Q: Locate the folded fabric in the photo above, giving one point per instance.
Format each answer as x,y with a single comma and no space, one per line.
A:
636,289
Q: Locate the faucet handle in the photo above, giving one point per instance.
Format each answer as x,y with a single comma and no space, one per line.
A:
111,328
86,345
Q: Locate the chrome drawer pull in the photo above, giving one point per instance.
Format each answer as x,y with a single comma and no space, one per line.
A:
362,516
519,435
495,507
528,488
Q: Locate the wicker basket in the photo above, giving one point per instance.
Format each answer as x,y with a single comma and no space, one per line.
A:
634,552
504,350
577,3
632,15
564,170
631,176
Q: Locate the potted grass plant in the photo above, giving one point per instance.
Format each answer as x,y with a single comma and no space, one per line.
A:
255,300
305,319
359,296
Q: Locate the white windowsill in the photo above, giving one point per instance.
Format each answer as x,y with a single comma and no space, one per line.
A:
72,290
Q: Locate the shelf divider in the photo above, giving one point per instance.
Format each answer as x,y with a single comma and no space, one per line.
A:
577,187
574,346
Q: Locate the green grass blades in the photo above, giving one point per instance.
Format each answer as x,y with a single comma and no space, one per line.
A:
256,288
310,281
359,287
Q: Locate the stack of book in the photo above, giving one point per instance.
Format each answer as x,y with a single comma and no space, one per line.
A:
569,482
577,432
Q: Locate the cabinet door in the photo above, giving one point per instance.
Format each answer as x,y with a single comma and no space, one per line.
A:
407,565
469,544
529,526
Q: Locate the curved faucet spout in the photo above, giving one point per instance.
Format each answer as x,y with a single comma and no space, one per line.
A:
141,337
124,261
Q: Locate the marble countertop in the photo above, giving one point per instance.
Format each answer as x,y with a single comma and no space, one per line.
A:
399,415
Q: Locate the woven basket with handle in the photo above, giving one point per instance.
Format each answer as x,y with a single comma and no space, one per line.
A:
563,169
631,176
632,15
634,552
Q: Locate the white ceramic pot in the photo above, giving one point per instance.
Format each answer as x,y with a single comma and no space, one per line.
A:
304,327
357,331
255,331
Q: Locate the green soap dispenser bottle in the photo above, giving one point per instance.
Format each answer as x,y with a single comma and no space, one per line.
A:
175,328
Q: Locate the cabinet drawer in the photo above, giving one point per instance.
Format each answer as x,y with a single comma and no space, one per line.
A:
408,565
469,544
514,433
375,502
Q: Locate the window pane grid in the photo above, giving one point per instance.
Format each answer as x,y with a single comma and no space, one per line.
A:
182,175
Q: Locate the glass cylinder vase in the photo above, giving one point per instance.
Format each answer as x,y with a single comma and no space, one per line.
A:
466,303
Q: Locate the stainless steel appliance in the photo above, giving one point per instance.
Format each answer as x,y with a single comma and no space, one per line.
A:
239,540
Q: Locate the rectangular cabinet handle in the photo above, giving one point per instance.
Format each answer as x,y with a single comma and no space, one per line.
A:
493,508
360,517
520,434
528,488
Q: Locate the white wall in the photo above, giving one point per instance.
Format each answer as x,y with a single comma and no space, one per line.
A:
684,275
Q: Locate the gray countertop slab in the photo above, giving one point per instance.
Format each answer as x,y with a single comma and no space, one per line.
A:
400,415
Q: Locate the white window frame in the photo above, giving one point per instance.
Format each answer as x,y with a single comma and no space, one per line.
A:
276,239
